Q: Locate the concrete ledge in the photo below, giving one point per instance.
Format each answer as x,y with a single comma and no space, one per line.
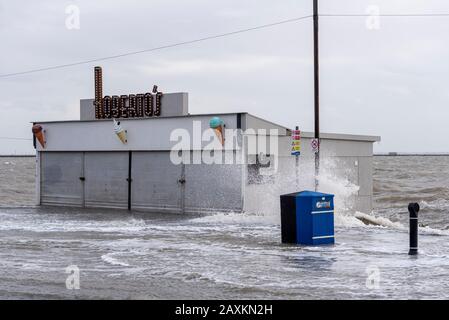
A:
341,136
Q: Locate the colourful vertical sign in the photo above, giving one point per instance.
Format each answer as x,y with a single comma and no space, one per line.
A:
296,143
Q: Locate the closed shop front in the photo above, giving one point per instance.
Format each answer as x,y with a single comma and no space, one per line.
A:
106,183
141,180
157,183
60,178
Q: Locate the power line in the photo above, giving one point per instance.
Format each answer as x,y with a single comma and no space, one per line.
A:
67,65
386,15
221,35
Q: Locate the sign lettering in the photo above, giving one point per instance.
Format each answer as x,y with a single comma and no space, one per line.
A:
296,143
129,106
125,106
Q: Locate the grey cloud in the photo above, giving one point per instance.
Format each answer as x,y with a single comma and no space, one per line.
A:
389,82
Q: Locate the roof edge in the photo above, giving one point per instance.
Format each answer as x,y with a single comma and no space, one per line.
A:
305,134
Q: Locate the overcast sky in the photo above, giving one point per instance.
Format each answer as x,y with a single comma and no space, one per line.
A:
392,81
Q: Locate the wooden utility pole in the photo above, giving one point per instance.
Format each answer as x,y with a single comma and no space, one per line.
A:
316,70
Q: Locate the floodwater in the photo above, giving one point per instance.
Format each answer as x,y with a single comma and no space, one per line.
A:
131,255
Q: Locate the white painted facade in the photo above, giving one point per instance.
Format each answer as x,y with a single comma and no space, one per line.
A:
85,164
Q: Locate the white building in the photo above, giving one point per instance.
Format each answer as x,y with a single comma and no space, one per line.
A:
85,164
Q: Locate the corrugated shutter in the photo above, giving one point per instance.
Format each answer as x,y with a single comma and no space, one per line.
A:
106,182
60,178
155,182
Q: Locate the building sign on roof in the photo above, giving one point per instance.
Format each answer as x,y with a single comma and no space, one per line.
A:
144,105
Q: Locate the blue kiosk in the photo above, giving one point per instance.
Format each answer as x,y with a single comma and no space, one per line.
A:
307,218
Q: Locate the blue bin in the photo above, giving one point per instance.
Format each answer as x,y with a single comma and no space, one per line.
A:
307,217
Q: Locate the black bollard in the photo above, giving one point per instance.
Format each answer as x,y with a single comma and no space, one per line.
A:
413,209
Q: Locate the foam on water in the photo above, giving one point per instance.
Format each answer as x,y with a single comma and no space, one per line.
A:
109,258
345,193
226,255
263,200
239,218
437,204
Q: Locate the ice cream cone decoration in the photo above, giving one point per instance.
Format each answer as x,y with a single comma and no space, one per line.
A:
219,133
217,124
38,132
121,134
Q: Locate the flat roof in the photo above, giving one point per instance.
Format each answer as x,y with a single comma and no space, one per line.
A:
149,118
342,136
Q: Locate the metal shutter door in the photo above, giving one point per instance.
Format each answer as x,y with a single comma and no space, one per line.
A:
155,182
60,178
106,182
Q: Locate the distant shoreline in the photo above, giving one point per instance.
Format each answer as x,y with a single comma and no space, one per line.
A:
390,154
399,154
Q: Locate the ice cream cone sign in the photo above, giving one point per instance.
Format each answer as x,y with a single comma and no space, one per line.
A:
38,132
121,134
217,125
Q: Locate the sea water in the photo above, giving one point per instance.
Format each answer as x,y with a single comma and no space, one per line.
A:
134,255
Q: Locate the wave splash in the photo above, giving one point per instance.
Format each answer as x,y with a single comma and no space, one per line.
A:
333,179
